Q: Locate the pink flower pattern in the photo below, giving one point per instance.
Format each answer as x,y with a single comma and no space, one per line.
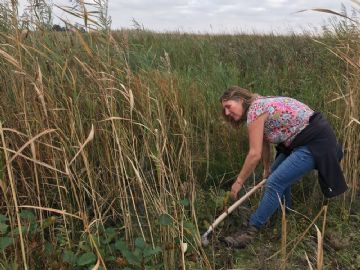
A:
287,117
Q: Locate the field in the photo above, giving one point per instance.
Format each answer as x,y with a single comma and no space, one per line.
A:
114,155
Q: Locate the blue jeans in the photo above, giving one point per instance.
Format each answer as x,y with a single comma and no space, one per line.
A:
285,171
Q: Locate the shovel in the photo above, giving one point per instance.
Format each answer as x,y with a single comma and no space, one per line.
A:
204,237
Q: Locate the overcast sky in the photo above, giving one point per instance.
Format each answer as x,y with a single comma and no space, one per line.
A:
218,16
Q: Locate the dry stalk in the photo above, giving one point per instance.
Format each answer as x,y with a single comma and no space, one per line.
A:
283,236
14,197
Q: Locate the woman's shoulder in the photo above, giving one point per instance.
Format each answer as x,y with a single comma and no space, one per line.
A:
257,107
263,104
277,99
272,100
262,100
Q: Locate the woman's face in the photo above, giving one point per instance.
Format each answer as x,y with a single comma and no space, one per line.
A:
233,108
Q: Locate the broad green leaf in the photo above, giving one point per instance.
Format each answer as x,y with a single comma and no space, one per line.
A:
69,257
165,219
189,226
3,228
110,234
148,252
121,245
138,253
3,218
5,242
140,243
185,202
131,258
86,258
84,246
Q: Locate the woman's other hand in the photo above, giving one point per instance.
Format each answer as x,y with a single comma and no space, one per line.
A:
235,188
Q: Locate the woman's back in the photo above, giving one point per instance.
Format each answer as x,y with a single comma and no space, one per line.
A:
287,117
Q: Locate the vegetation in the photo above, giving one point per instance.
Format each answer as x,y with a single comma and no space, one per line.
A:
114,154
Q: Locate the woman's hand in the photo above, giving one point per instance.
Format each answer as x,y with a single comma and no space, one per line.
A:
235,188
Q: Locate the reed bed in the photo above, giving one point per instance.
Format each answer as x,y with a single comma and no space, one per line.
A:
111,142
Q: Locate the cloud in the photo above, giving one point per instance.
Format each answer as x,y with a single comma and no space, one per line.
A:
276,3
215,15
222,15
146,5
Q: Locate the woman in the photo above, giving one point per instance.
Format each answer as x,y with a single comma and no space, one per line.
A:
304,141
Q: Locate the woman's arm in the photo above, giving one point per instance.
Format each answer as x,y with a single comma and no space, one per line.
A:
256,134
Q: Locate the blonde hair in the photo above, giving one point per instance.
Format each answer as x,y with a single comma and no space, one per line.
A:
237,93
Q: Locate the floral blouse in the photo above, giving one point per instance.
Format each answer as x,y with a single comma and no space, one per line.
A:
287,117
